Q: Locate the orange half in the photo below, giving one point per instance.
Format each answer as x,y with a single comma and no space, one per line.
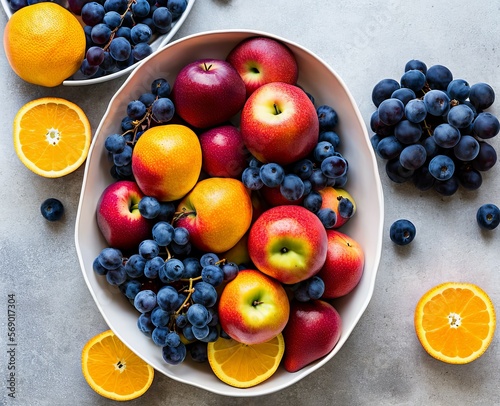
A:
455,322
51,136
114,371
241,365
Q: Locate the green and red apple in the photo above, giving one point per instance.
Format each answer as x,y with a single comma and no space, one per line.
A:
279,123
253,307
260,60
118,216
288,243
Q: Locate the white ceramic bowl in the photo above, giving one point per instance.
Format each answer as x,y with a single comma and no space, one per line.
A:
159,42
364,185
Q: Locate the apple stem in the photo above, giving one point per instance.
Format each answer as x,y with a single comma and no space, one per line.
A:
284,250
207,67
276,109
346,242
257,302
179,214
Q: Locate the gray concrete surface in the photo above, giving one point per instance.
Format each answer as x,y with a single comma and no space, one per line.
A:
382,362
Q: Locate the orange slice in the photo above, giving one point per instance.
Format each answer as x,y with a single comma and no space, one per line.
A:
112,370
455,322
51,136
243,365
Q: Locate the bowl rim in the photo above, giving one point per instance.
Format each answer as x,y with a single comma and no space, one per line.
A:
159,43
295,377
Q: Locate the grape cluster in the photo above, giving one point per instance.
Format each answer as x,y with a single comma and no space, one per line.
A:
151,108
119,32
433,129
300,181
175,296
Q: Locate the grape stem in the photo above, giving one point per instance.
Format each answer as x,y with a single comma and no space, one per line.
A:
189,291
122,16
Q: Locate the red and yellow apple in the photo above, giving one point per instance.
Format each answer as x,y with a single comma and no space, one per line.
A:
217,212
239,253
340,201
313,330
224,153
118,216
279,123
208,92
288,243
253,307
261,60
166,161
344,265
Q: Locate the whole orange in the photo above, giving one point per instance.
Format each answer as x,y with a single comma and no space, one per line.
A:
166,161
44,43
217,213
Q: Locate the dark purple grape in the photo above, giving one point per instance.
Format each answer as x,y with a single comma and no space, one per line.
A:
469,178
438,77
416,64
379,127
486,158
76,6
486,125
95,56
391,111
383,90
481,95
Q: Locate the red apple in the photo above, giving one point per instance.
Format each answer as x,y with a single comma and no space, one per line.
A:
261,60
279,123
224,153
273,197
312,331
344,265
118,216
208,92
217,212
340,201
288,243
253,308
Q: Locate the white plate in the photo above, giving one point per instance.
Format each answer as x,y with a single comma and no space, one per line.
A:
157,44
364,185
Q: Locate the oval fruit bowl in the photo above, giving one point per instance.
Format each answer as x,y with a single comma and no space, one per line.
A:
156,44
364,185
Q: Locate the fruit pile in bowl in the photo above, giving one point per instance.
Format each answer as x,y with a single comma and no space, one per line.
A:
265,234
